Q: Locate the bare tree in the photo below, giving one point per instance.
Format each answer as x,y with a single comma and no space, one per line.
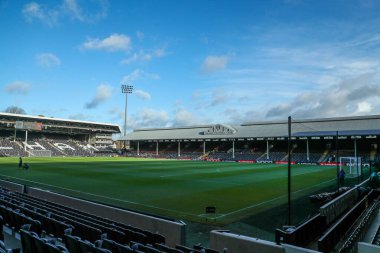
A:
15,109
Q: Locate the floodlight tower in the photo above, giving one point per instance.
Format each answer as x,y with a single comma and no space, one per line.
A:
127,89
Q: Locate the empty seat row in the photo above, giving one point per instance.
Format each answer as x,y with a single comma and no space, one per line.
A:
32,243
20,215
4,249
89,228
360,229
75,244
53,207
15,219
81,232
115,246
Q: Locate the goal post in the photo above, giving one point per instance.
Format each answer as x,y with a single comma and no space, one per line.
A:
39,153
352,166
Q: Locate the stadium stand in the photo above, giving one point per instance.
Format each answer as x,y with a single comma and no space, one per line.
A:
58,145
79,231
313,141
50,227
24,135
80,138
341,224
9,148
302,157
297,155
223,153
248,154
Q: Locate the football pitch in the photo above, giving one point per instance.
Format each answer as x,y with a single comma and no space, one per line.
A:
172,188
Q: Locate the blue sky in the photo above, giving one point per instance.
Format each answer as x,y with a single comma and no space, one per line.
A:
191,62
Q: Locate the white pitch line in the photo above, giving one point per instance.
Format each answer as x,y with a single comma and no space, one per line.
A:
164,209
105,197
172,175
270,200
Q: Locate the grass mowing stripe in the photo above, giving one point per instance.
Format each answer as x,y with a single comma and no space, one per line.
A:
271,200
178,189
105,197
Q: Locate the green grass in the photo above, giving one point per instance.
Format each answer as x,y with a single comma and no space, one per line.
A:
177,189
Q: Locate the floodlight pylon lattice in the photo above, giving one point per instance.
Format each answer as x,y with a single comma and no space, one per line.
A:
126,89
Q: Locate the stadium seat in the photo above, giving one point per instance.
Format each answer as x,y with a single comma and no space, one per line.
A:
71,243
205,250
100,250
115,235
135,236
153,238
56,248
73,226
40,244
148,249
3,249
186,249
115,247
158,238
166,248
27,242
1,228
85,246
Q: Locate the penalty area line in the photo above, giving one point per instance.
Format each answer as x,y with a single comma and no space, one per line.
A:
101,196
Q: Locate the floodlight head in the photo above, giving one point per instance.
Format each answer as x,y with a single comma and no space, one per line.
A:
126,88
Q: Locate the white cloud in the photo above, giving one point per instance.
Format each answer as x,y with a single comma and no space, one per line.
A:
161,52
17,87
148,117
214,63
374,39
68,9
305,82
34,11
363,108
219,97
72,7
47,60
115,42
143,56
343,99
137,74
140,56
103,93
143,94
185,118
152,118
74,11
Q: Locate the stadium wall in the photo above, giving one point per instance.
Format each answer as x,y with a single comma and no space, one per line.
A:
368,248
240,243
12,186
174,232
234,243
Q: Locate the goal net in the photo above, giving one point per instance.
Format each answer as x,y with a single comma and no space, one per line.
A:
39,153
352,166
